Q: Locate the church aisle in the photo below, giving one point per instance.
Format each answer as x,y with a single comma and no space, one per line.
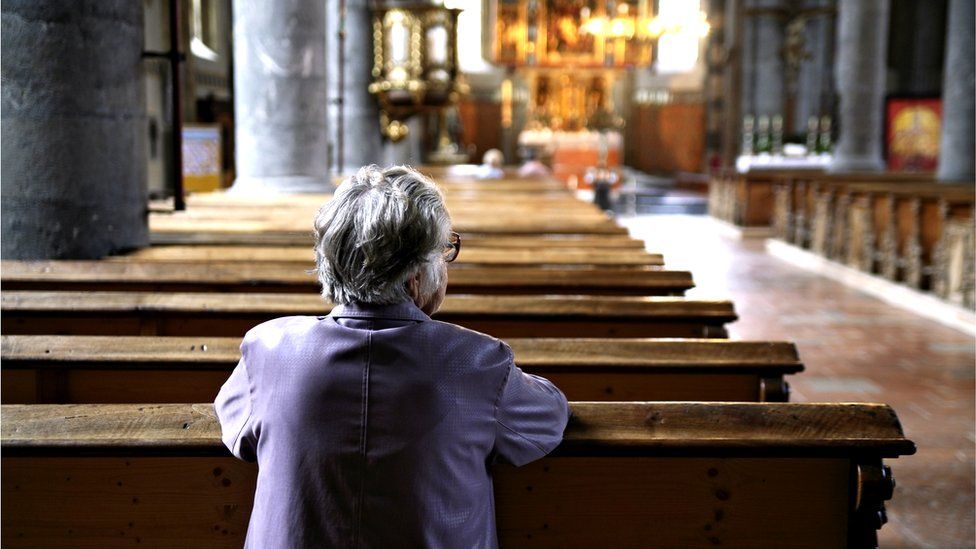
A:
856,348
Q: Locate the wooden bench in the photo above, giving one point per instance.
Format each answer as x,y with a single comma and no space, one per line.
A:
120,369
627,475
471,255
231,314
225,237
476,207
295,277
496,224
456,201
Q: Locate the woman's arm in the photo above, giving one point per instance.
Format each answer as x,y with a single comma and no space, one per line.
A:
233,407
530,417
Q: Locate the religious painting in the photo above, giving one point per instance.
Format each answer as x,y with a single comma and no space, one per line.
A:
565,39
913,128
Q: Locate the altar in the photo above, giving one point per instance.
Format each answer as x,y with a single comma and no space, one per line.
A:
572,153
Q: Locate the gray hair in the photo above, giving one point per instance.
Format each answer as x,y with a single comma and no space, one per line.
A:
381,228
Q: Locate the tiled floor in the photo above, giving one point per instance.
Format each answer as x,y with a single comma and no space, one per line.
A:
855,348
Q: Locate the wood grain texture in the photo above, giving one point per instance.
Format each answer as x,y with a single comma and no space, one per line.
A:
232,314
690,427
469,255
497,225
285,304
305,238
626,502
113,385
258,276
96,351
125,369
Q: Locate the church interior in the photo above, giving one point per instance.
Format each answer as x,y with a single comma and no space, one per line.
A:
737,234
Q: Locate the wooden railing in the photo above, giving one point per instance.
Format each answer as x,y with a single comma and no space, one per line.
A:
917,233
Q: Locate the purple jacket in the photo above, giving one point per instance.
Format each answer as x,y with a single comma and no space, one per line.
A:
375,427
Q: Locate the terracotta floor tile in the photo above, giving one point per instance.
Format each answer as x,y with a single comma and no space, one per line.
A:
855,347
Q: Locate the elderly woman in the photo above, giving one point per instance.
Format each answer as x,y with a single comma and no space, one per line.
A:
375,426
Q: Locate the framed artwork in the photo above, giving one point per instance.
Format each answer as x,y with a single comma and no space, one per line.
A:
913,126
202,163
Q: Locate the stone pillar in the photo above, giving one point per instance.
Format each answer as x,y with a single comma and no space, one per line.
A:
814,86
862,50
362,143
73,129
957,145
280,96
747,66
769,79
734,80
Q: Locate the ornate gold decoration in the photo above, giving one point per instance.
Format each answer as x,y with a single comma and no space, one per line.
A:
415,65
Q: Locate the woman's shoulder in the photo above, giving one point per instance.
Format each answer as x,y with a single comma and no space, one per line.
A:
279,328
467,337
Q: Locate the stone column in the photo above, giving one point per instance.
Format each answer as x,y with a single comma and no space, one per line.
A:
73,129
814,86
362,143
747,66
957,143
768,85
862,50
280,96
734,80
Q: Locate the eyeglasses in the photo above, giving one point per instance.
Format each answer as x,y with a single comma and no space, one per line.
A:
452,248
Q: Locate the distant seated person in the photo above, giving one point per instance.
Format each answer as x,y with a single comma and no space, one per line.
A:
491,165
533,167
376,426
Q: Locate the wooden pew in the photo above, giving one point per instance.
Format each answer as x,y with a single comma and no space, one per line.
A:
120,369
225,237
627,475
231,315
497,224
210,204
487,207
295,278
472,255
